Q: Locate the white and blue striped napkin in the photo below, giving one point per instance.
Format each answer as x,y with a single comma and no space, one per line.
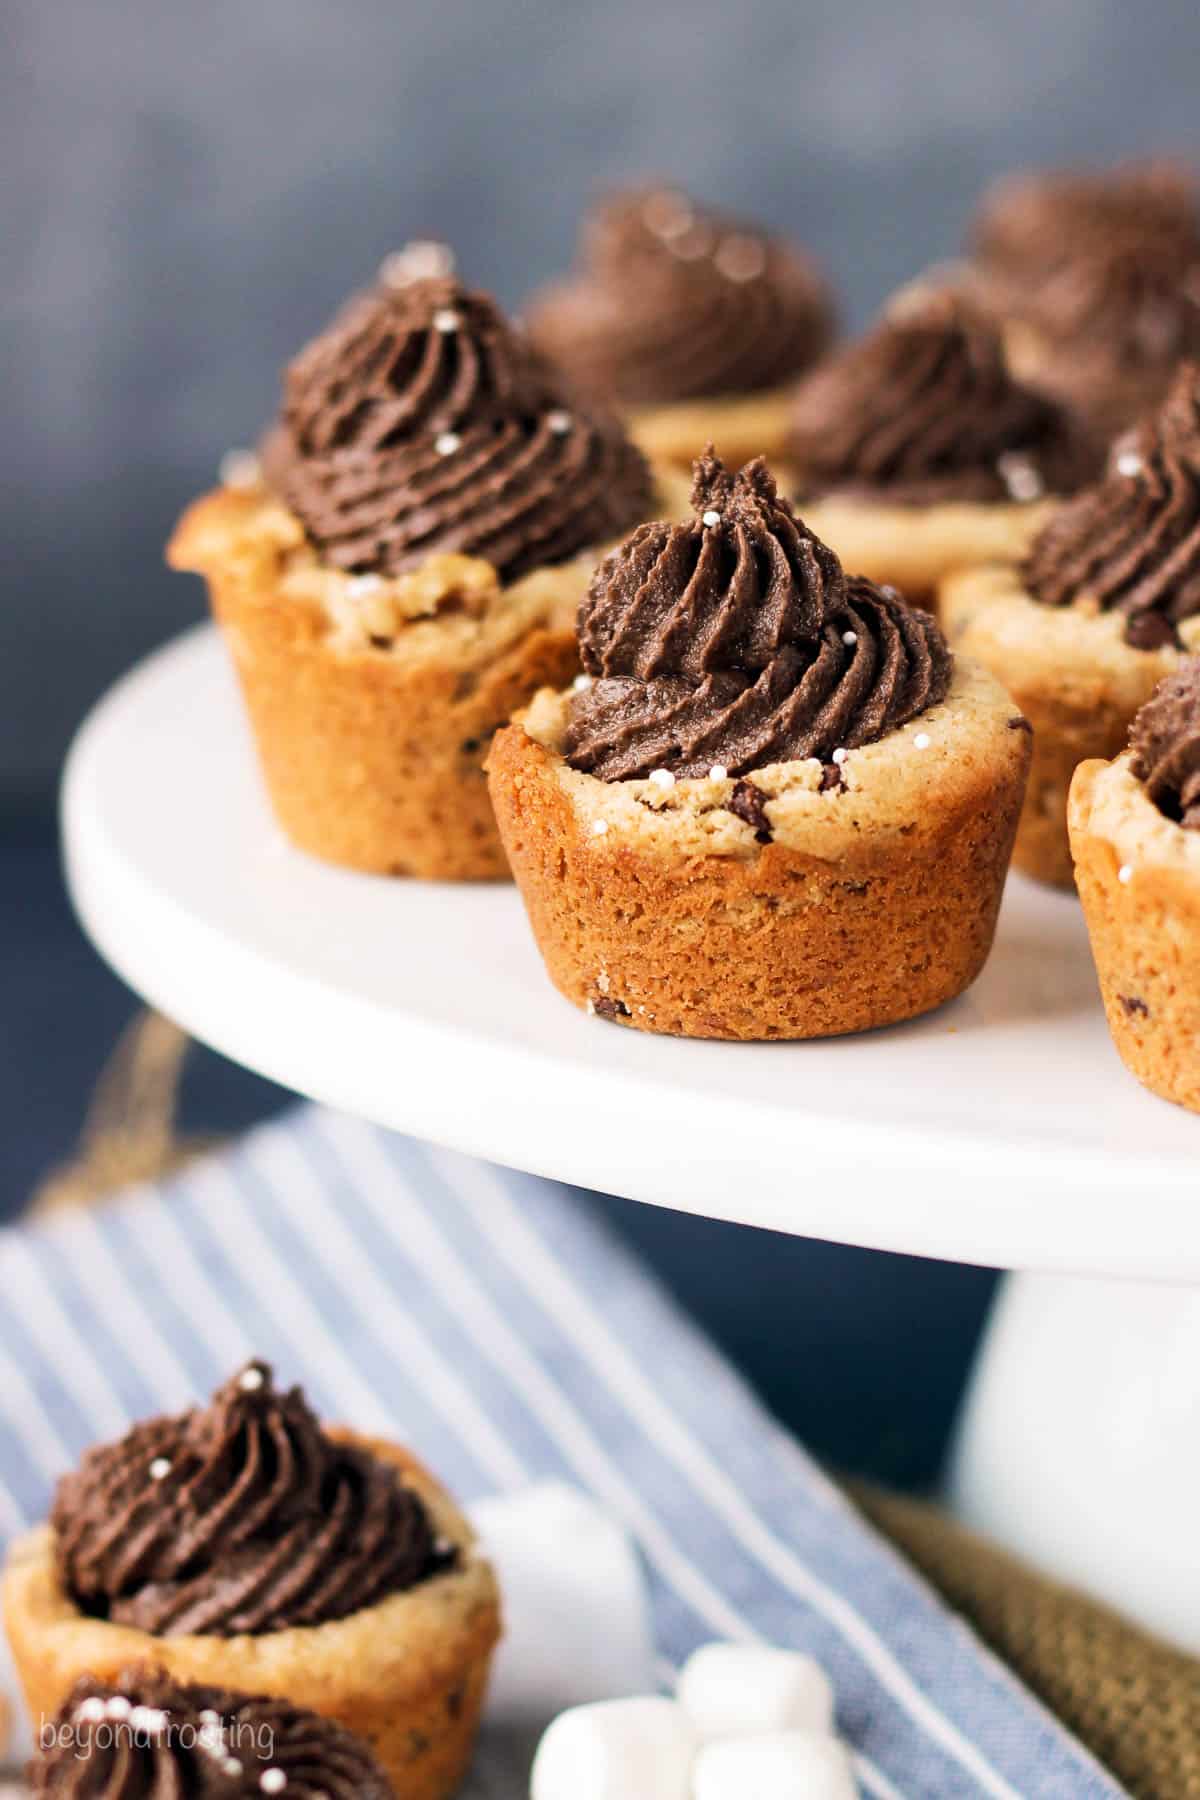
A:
488,1318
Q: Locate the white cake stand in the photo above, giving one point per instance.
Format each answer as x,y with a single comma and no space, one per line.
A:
1002,1130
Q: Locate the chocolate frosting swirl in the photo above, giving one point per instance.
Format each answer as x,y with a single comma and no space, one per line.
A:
1165,742
1131,543
735,639
421,421
240,1516
150,1738
923,409
1031,225
671,302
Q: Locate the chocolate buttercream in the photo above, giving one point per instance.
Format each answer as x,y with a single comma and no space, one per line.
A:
923,410
240,1516
1102,275
735,639
1131,543
673,302
1165,741
150,1738
1031,225
421,421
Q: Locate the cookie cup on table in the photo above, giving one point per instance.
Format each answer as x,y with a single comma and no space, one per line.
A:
914,548
828,912
1138,875
373,699
1073,676
408,1675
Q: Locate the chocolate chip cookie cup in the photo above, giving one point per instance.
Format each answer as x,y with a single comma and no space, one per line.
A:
777,810
694,325
1135,835
1105,605
918,453
401,569
145,1736
243,1546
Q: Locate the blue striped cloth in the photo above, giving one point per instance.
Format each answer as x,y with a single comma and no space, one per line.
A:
488,1318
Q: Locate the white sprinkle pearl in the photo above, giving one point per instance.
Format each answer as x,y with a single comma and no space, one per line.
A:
421,260
559,421
446,443
668,214
922,740
849,637
718,772
359,586
272,1781
839,757
1129,463
447,320
250,1380
160,1468
599,827
582,683
662,778
1125,874
740,258
148,1719
118,1707
710,518
90,1711
239,469
231,1767
1020,477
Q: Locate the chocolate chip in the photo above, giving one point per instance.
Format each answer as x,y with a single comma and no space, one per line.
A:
1020,723
1152,631
1134,1004
748,803
832,779
605,1007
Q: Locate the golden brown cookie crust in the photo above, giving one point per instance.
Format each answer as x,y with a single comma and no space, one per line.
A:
1074,677
409,1675
661,908
373,703
913,548
741,426
1138,875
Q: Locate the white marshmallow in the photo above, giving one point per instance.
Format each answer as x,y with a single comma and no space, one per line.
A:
783,1765
735,1690
578,1625
616,1750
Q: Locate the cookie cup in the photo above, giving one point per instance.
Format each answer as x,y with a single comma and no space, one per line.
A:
663,910
1138,874
1073,676
740,426
914,548
373,701
408,1675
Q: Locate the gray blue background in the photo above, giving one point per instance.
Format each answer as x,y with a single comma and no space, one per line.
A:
190,186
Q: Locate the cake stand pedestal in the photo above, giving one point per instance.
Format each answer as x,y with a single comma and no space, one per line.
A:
1002,1130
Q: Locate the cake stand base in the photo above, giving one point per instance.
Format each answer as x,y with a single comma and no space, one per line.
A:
1079,1447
